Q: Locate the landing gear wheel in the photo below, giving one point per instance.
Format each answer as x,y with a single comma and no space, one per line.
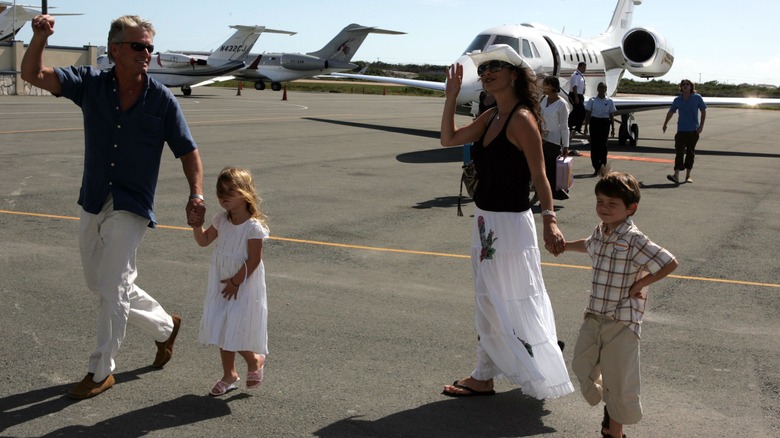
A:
259,85
629,130
276,86
634,137
186,90
622,135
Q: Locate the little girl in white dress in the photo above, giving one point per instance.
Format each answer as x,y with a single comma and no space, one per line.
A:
235,310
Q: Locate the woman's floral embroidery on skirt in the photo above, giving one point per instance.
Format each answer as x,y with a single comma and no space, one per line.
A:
487,241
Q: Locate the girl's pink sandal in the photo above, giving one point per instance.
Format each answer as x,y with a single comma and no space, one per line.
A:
222,388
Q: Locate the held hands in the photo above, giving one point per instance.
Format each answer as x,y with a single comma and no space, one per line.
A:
553,239
231,290
196,212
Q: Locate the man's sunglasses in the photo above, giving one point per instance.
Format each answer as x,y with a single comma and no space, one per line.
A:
492,66
140,47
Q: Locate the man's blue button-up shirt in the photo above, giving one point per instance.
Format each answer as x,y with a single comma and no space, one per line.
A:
123,150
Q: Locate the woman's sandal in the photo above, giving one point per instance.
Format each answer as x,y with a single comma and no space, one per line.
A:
222,388
255,378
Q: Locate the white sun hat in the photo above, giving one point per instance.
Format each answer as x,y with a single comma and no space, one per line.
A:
496,52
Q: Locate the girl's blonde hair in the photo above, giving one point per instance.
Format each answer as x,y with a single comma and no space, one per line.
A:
241,183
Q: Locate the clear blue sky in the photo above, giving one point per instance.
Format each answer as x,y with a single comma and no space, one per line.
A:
726,41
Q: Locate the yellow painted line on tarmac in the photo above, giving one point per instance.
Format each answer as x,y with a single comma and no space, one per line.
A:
50,216
36,131
630,158
408,251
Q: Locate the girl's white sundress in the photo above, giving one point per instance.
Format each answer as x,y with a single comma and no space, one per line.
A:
239,324
515,320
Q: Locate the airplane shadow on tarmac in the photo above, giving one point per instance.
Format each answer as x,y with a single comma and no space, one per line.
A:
408,131
188,409
505,414
613,146
701,149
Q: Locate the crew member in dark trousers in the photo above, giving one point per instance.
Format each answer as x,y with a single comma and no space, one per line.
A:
577,100
599,116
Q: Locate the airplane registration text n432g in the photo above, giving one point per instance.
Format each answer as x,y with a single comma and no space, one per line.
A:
233,48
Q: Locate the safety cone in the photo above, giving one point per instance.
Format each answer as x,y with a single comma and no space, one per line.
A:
240,86
384,92
284,94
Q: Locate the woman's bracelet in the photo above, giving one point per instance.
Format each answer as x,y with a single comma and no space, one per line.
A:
235,285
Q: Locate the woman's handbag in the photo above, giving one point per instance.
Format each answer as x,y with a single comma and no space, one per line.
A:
470,180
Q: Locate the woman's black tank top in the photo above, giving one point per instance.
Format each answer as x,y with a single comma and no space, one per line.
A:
502,169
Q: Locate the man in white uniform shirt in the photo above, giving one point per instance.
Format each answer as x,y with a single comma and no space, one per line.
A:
599,116
577,99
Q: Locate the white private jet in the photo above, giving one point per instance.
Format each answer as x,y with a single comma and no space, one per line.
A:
284,67
185,70
641,51
14,16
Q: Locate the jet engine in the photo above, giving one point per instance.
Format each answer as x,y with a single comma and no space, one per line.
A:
646,53
174,60
302,62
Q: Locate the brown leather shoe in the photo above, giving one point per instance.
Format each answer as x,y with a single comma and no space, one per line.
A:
165,349
89,388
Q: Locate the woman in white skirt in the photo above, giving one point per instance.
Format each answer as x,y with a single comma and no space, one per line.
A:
517,337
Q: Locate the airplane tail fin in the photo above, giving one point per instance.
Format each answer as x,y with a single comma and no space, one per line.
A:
620,23
237,47
14,17
344,45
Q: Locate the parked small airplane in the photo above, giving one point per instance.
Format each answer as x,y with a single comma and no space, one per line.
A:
14,16
184,70
284,67
641,51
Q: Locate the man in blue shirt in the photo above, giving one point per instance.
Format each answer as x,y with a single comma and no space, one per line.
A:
128,117
689,127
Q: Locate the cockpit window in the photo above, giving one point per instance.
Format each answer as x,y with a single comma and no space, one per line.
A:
511,41
478,44
527,50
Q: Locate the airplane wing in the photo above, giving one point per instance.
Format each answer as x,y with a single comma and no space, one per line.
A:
623,104
430,85
632,104
213,81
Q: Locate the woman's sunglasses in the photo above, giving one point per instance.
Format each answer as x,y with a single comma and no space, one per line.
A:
492,67
140,47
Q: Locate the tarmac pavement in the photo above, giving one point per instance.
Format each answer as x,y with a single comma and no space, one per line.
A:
369,285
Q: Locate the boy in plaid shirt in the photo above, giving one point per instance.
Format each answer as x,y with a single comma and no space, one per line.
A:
625,263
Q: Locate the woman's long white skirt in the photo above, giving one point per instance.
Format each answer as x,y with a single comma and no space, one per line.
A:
515,321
